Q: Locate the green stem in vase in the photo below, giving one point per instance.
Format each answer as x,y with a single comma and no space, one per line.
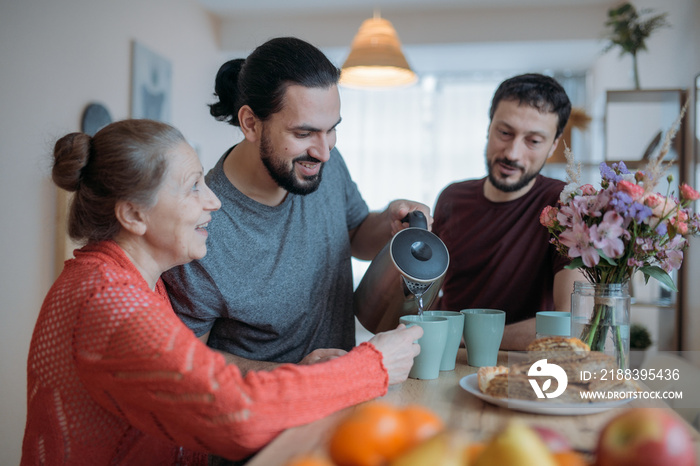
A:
591,331
618,344
596,332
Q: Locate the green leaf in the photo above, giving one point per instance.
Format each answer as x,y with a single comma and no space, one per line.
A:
576,263
659,274
607,259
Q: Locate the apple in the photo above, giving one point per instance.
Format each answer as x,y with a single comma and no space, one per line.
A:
645,437
555,441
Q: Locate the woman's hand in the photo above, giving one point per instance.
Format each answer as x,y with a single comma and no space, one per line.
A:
398,349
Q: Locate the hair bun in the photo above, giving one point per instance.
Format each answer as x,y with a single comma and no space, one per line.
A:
71,154
226,89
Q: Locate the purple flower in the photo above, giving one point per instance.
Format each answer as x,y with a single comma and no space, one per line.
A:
621,202
639,212
608,235
620,168
661,229
608,174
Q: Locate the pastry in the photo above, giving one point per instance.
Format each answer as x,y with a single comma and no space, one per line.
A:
486,374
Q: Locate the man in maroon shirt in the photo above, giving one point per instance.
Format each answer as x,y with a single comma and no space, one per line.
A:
500,256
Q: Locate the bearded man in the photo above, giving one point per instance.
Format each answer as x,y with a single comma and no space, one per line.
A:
500,255
276,284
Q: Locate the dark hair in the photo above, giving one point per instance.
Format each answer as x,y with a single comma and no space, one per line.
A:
261,80
538,91
125,160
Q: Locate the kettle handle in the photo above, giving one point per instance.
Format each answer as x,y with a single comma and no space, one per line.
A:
416,219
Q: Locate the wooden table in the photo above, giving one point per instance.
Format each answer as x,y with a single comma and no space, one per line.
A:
459,409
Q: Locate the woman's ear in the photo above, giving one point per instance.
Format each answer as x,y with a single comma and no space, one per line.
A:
131,217
250,124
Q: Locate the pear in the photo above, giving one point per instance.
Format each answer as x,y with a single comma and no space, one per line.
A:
442,449
516,445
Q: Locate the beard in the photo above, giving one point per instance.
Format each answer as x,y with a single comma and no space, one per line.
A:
517,185
284,175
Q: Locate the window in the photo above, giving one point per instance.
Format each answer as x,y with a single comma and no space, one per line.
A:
412,142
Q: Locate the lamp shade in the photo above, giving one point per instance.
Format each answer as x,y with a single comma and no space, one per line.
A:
375,58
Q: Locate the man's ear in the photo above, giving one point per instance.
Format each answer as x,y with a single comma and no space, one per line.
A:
131,217
250,124
554,146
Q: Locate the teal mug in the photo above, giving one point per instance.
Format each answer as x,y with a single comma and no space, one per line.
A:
483,332
432,344
455,330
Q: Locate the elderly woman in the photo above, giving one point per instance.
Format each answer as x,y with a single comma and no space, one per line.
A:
114,377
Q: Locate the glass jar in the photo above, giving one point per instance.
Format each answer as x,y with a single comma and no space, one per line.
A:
600,317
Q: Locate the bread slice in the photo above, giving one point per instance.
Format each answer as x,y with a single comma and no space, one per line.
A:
557,343
571,354
486,374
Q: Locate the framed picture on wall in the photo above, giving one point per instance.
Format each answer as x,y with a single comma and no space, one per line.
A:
151,84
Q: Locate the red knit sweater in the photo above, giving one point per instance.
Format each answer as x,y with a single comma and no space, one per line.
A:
114,377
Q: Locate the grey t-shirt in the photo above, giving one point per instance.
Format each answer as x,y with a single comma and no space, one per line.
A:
276,282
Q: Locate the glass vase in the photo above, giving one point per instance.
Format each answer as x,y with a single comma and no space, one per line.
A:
600,317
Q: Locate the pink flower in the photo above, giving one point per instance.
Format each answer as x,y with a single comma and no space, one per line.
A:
688,193
548,217
664,208
652,200
578,240
673,260
567,216
680,222
633,190
608,235
587,190
632,262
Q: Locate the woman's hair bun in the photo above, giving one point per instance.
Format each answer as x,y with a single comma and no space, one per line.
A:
71,154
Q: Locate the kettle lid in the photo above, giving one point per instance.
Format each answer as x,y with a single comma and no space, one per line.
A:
419,254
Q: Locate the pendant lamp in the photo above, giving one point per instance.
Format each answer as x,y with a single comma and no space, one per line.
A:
375,58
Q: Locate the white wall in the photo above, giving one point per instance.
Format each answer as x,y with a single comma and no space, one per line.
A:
55,57
672,61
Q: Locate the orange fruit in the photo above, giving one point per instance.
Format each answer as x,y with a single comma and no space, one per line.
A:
372,435
310,460
570,458
474,450
421,422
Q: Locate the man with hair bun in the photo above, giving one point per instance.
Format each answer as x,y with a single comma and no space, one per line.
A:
277,283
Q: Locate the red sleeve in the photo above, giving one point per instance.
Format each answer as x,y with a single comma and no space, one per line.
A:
140,362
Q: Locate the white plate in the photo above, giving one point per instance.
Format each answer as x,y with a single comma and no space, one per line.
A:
470,383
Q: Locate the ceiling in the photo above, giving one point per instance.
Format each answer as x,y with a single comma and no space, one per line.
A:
302,7
480,36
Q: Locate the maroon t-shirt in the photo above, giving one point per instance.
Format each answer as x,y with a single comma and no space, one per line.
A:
500,255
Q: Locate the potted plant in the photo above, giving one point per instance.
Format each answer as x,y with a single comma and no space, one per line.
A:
640,340
629,31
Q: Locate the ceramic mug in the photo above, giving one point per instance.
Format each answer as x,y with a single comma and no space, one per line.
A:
552,323
483,332
432,345
455,322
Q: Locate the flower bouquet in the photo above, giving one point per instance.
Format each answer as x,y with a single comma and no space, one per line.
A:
624,226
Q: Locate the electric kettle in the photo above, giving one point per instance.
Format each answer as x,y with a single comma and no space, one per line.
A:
406,275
